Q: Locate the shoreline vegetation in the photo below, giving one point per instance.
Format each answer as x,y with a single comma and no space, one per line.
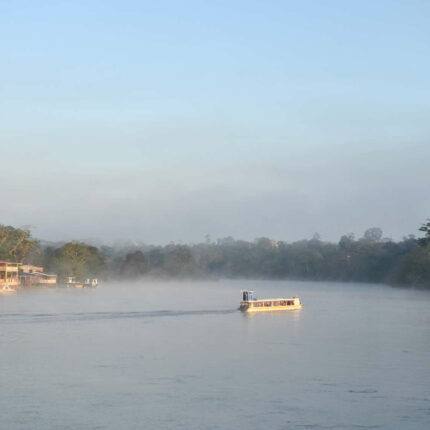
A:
370,258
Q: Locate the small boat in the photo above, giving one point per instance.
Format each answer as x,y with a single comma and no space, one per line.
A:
5,289
251,304
88,283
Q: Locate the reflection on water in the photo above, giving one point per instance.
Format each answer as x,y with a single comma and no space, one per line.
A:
292,314
180,356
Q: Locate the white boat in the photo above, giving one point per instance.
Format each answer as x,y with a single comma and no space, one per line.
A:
88,283
5,289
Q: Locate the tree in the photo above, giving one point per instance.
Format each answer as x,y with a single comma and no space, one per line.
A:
426,229
346,242
373,234
415,269
16,244
135,265
178,260
77,259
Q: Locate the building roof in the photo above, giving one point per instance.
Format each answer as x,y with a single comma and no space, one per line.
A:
38,274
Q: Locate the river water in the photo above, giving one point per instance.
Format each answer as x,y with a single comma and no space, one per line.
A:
178,355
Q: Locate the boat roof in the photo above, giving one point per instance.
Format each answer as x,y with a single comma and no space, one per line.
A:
268,300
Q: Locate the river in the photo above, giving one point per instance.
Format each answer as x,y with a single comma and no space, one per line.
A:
178,355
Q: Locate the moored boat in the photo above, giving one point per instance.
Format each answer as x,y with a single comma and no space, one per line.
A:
251,304
88,283
6,290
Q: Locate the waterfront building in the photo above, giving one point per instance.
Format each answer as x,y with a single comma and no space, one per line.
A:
30,268
9,273
31,276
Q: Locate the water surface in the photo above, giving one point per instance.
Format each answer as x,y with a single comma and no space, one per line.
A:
179,356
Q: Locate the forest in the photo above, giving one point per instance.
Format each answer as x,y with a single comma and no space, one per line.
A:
370,258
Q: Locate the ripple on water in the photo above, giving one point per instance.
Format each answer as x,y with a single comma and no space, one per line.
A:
369,391
337,426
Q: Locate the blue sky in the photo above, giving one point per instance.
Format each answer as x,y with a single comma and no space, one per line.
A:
170,120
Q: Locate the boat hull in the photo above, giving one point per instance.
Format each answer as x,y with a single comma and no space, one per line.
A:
6,291
272,308
268,305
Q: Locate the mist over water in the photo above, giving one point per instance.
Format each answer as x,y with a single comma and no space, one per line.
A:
178,355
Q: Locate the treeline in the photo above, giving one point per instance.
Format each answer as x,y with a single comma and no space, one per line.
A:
69,259
370,258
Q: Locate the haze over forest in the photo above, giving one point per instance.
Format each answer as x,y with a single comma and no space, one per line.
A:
167,122
370,258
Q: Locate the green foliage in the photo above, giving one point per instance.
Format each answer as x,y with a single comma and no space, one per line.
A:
16,244
426,229
415,269
135,265
373,234
76,259
368,259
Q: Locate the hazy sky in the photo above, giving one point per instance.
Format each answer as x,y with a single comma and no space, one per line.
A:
170,120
